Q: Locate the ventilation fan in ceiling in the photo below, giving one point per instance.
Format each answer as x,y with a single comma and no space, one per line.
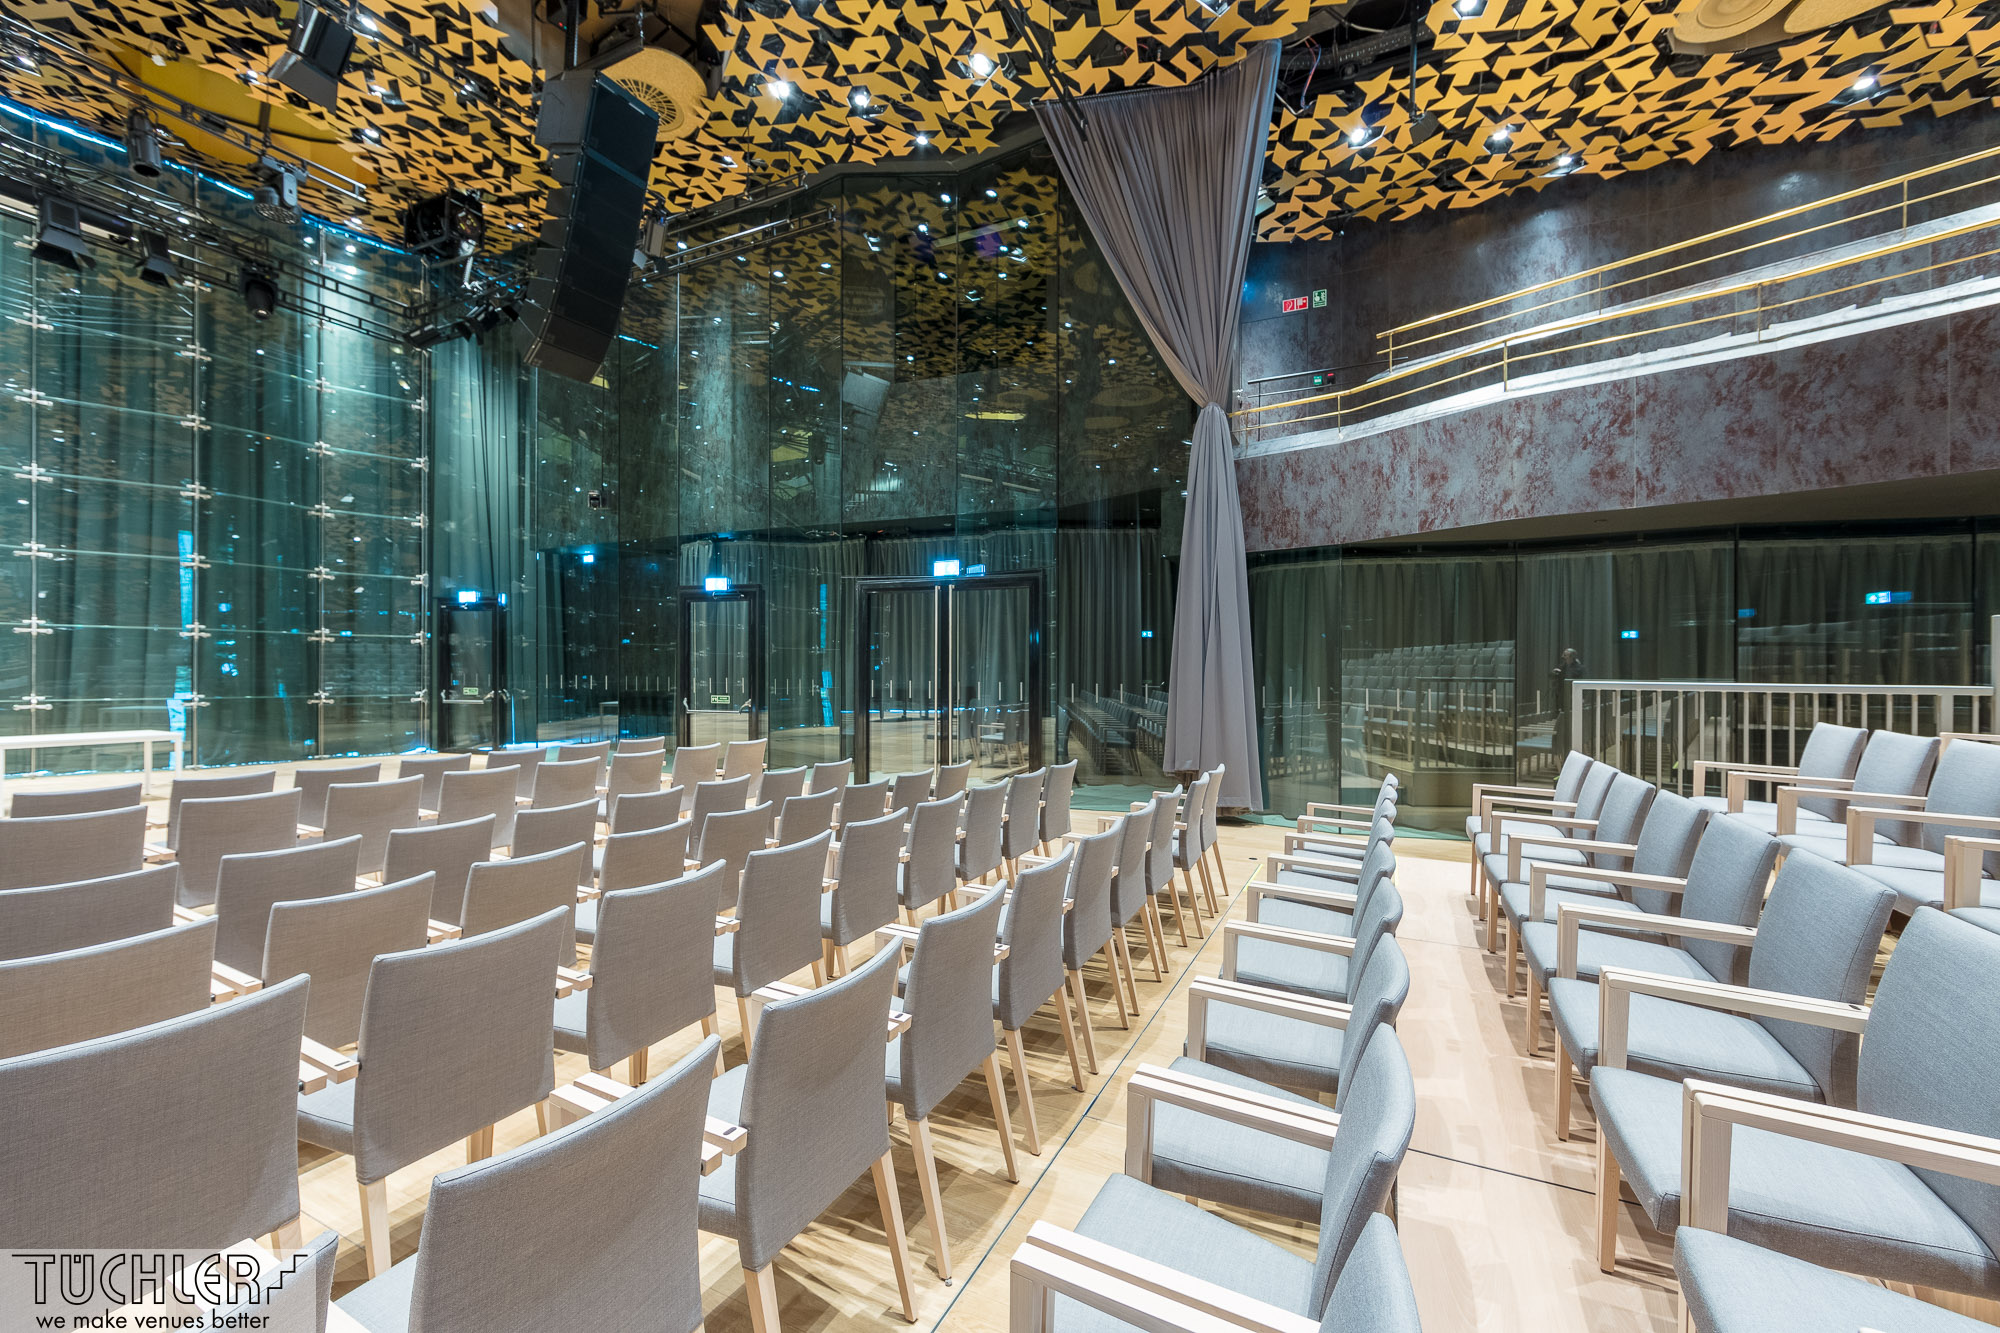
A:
672,87
1709,27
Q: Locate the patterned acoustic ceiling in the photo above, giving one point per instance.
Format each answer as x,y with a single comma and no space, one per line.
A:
1581,86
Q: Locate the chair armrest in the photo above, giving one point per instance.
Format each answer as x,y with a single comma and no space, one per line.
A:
1964,865
1326,864
899,1019
1260,890
307,831
227,983
727,925
1837,789
1861,827
1586,845
1617,985
338,1068
1501,840
1263,999
437,932
1728,770
1306,842
1570,916
1053,1262
1235,932
183,915
569,981
1152,1086
1539,872
156,852
896,934
1711,1112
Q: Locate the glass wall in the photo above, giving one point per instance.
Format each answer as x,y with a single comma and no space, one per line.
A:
1451,666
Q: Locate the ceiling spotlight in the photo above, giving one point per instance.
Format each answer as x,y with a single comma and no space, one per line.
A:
858,99
923,141
156,261
1470,9
680,245
778,88
993,194
1566,164
315,59
371,134
1500,140
26,61
59,238
142,146
944,198
1362,135
260,291
981,65
364,22
1865,84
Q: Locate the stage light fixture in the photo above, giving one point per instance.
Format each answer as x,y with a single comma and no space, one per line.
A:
259,291
142,146
981,65
278,197
59,238
316,56
156,260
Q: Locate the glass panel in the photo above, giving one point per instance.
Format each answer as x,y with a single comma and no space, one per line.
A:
901,690
720,700
993,708
1855,609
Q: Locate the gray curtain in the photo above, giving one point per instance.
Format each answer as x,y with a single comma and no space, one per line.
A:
1168,181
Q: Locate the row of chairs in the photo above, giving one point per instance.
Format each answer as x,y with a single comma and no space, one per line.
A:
1707,962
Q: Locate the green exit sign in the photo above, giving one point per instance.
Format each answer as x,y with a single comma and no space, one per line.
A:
718,698
1319,381
1319,299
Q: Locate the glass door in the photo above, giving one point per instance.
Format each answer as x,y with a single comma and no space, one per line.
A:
474,706
995,640
900,711
722,665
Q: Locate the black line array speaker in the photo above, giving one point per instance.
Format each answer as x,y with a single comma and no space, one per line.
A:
600,139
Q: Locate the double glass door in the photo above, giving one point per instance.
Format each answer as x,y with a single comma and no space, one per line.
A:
722,665
950,670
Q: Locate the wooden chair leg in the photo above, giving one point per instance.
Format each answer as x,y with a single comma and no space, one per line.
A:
290,1236
884,1172
1069,1039
479,1145
1124,943
375,1225
927,1183
1194,902
819,975
542,1115
710,1028
1607,1204
1513,958
996,1092
1083,1018
1180,922
1215,904
1156,936
743,1022
840,956
761,1285
1532,1039
1018,1056
635,1066
1111,965
1492,918
1565,1090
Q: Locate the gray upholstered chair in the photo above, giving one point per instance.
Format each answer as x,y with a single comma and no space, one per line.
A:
866,875
909,790
500,893
1828,758
82,994
948,987
1892,764
213,829
596,752
1492,800
1211,838
61,849
75,801
802,817
1161,838
1325,906
778,909
649,973
432,768
119,1175
980,831
1032,974
1186,854
335,941
779,785
730,838
1307,962
718,797
248,883
952,780
635,774
1295,1041
490,791
544,830
1360,1165
209,786
313,785
1505,825
448,851
931,871
1963,801
563,784
562,1232
455,1037
1056,796
694,764
523,762
1021,818
58,917
373,810
1732,1286
1088,926
636,860
1131,894
811,1099
634,812
861,800
1566,861
832,775
639,745
744,759
1904,1192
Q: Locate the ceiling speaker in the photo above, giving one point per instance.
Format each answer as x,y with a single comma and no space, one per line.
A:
672,87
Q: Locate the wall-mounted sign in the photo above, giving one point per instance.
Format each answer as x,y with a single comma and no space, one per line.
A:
1293,304
719,699
1319,298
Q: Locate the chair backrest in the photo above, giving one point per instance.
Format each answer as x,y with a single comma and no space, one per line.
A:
979,850
448,851
861,800
62,849
1088,925
213,829
1830,751
834,773
207,786
1378,865
1056,796
538,831
1130,885
1189,847
1377,999
743,759
641,745
1595,787
1967,782
1818,937
1380,918
695,764
618,1248
249,883
779,909
78,801
908,790
1208,819
634,812
950,983
717,798
1667,842
866,873
1373,1292
491,791
373,810
812,1102
1933,1033
1021,818
60,917
635,773
952,780
781,784
500,893
212,1096
730,838
565,783
432,768
455,1037
1621,817
598,752
802,817
932,870
59,998
1032,930
651,966
1167,811
1726,882
335,939
650,856
522,763
1379,1115
1900,764
314,783
1570,777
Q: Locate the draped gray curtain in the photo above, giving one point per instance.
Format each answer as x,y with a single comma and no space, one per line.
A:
1167,181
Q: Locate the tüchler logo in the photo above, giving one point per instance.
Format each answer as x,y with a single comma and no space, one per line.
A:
166,1290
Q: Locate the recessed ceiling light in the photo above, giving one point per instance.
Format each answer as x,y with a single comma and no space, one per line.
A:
778,88
923,141
1865,84
982,64
1470,8
858,99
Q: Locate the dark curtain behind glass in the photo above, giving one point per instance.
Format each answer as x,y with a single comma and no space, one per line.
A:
1857,610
